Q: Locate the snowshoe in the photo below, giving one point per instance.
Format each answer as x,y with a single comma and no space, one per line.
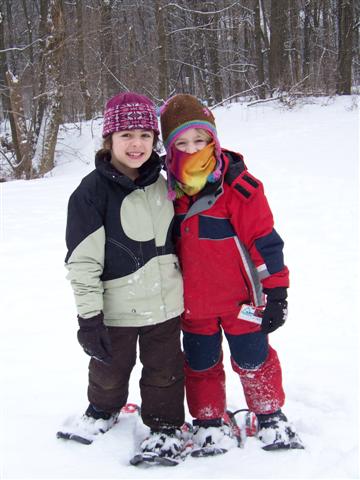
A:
212,437
86,428
277,433
167,447
149,458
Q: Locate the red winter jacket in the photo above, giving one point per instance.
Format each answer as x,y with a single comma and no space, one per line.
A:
227,245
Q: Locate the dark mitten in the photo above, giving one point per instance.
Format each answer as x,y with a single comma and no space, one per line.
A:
276,310
94,337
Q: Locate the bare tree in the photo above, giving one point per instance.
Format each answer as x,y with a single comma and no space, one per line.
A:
345,18
277,55
45,151
218,50
259,50
35,150
294,44
307,33
21,135
4,88
108,64
83,81
41,77
162,50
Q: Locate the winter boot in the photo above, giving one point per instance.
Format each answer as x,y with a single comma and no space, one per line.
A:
98,421
276,432
165,446
212,437
165,442
83,429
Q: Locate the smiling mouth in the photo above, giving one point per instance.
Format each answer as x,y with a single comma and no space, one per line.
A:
135,154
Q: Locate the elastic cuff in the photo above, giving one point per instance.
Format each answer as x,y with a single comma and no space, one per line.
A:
211,422
278,293
96,413
165,430
92,321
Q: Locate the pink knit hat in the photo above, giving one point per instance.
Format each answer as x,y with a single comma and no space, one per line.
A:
129,111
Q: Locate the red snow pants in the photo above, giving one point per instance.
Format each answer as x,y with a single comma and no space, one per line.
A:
252,358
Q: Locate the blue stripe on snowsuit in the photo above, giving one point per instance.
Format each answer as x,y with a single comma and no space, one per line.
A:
270,248
202,351
213,228
250,350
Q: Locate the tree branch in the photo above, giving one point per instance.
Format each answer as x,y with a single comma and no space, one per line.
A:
206,13
21,49
237,95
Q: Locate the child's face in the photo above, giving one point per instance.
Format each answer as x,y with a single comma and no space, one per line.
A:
130,149
192,140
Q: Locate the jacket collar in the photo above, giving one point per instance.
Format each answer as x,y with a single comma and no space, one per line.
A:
232,166
205,199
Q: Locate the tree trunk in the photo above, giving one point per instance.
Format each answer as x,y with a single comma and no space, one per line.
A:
345,14
45,151
44,8
203,88
277,56
307,32
326,74
247,50
88,105
20,134
259,51
162,51
265,22
109,84
295,56
4,88
236,75
11,60
208,52
213,47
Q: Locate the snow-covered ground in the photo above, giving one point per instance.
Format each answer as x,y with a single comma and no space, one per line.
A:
307,158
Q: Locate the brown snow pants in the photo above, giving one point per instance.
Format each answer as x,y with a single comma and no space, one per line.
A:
162,377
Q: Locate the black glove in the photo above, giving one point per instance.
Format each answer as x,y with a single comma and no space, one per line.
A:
275,312
94,337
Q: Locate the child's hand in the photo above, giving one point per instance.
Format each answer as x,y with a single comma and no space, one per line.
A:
94,338
276,310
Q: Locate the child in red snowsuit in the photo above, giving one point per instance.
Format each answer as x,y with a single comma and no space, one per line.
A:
231,258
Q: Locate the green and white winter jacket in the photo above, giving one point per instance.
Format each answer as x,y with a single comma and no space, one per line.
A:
121,258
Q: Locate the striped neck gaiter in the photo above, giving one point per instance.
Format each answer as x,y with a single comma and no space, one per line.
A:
191,171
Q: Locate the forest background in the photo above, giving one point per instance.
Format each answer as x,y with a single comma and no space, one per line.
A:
60,60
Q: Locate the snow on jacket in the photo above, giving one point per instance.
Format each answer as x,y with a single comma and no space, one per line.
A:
121,257
227,245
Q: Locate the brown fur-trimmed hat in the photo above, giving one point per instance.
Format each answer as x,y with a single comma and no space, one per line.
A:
182,112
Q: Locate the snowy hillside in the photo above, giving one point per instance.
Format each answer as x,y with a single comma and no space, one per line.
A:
307,158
